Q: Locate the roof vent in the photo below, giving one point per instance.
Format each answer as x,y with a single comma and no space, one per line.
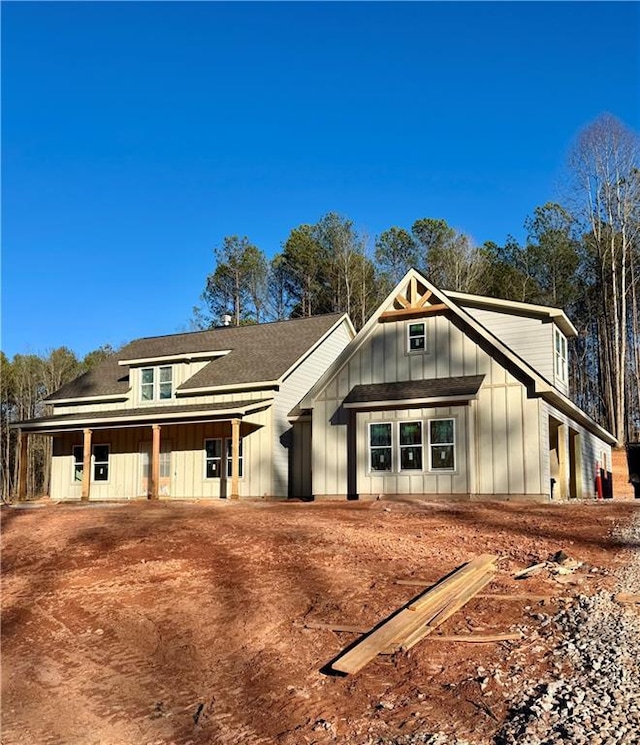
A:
226,320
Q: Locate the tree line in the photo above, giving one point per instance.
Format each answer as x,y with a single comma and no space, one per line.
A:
25,381
582,255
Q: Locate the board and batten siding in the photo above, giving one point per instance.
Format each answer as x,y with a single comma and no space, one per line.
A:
498,436
530,338
593,450
187,480
292,389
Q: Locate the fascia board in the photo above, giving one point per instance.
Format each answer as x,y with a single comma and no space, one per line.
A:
211,390
343,318
136,420
557,315
347,353
185,357
109,397
411,402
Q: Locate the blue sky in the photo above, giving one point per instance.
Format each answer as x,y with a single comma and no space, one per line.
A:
136,135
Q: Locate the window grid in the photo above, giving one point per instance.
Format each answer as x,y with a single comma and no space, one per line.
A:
442,441
416,337
380,447
156,384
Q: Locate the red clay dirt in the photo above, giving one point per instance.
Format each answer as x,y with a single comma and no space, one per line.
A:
154,623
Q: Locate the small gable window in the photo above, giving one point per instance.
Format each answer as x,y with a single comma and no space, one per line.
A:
156,383
416,337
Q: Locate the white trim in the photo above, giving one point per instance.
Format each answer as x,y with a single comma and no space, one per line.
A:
453,444
186,357
371,470
410,471
102,462
266,384
404,402
206,458
89,399
529,309
408,337
350,327
133,421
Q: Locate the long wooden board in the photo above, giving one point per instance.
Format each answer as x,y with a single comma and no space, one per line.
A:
411,616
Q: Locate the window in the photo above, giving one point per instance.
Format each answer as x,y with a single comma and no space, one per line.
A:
100,462
156,383
410,446
441,445
561,355
78,462
212,458
380,446
416,337
229,457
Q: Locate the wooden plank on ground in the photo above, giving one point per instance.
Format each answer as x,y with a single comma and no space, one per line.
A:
414,614
460,598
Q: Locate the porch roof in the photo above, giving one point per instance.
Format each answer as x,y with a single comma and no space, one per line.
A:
414,392
143,416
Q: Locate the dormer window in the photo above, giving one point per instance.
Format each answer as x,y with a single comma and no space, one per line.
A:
561,356
156,383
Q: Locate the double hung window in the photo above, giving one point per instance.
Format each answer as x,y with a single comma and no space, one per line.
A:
410,438
416,337
399,446
441,445
100,462
561,355
380,446
156,383
214,466
213,458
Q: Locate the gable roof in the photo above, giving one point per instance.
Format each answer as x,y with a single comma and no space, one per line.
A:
539,385
248,354
531,310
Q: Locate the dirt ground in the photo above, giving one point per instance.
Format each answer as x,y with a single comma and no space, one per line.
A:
184,623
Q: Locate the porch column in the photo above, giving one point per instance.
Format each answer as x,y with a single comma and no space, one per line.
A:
86,465
235,457
155,462
563,461
577,464
22,464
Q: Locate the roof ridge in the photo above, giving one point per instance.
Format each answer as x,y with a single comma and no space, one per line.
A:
242,326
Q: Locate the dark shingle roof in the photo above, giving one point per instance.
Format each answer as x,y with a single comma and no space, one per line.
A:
464,386
261,352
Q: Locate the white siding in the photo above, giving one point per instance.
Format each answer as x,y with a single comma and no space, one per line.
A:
498,435
292,390
594,450
529,338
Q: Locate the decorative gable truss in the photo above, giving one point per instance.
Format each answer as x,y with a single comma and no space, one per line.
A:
417,301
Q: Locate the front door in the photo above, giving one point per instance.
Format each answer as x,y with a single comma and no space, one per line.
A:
164,487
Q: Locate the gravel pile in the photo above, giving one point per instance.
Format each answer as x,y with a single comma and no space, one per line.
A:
598,702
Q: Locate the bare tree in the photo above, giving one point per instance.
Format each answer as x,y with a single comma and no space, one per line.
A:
604,165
